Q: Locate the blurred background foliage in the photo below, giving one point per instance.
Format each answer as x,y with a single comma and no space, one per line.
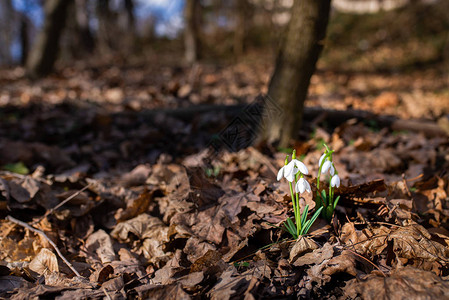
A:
392,36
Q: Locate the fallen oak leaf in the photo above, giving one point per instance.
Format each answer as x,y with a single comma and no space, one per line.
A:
404,283
413,242
45,262
301,246
100,243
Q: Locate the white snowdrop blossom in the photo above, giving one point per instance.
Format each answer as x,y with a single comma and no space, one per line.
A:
332,170
328,165
335,181
291,176
321,159
302,185
294,166
281,173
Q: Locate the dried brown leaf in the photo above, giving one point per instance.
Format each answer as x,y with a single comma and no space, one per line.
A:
136,177
301,246
414,242
135,206
104,274
405,283
207,260
152,233
45,262
316,257
365,241
10,283
172,291
101,244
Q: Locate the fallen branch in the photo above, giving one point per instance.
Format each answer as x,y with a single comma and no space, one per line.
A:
23,224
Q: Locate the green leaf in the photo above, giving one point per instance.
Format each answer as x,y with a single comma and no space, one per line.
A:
311,221
303,230
336,201
304,215
18,168
329,212
291,228
241,264
324,197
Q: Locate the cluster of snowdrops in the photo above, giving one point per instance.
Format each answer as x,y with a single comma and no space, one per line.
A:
294,172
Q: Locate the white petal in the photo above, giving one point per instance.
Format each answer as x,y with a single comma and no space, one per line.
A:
308,188
300,185
335,181
280,173
302,167
332,170
321,159
327,164
290,168
291,176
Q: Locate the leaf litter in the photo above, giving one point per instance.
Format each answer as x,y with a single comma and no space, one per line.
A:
163,216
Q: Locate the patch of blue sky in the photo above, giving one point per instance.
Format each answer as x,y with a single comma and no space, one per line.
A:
168,15
32,9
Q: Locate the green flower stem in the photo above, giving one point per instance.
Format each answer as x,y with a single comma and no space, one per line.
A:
293,198
298,215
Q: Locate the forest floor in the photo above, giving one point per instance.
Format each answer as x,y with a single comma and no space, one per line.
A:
151,210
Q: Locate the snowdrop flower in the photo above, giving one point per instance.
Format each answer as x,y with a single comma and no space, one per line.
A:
295,165
302,185
335,181
321,159
327,165
289,174
281,172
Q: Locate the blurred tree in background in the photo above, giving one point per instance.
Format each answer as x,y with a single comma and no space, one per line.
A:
46,48
294,67
288,35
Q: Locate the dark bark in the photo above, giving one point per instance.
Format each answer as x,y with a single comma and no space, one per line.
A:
45,50
295,65
85,36
241,26
129,7
106,26
7,16
24,41
191,31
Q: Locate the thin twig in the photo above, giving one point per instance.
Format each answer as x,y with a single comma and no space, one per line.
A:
49,212
23,224
106,293
366,259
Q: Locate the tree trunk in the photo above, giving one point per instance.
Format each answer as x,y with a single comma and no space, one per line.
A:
295,64
129,7
24,41
107,26
82,21
45,50
242,15
7,17
191,31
